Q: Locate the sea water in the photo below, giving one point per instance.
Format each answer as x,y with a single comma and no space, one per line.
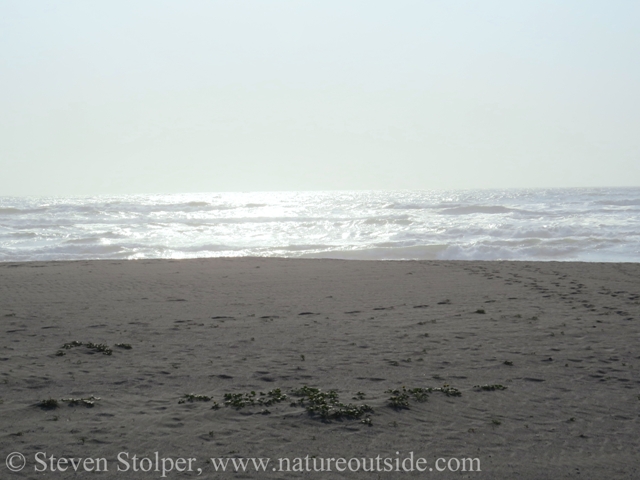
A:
594,225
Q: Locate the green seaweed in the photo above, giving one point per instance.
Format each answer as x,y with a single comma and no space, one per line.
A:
192,397
49,404
87,402
327,405
489,388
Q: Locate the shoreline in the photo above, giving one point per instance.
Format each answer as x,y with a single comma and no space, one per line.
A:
560,336
364,260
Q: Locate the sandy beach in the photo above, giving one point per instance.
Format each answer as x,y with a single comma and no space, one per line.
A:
530,367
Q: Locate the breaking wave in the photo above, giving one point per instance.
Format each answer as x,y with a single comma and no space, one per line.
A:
547,224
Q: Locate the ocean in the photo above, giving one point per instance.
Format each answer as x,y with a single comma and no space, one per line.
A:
581,224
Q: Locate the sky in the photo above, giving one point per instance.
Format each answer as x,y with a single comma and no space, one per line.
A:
117,97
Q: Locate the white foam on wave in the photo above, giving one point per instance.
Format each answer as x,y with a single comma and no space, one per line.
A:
482,209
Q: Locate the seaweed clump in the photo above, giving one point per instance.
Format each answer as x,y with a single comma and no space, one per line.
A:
327,405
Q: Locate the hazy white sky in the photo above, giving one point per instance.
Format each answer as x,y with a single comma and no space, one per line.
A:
197,96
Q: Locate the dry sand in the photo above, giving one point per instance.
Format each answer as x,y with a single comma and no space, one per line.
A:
562,337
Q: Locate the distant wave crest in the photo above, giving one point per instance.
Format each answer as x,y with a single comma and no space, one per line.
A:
482,209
